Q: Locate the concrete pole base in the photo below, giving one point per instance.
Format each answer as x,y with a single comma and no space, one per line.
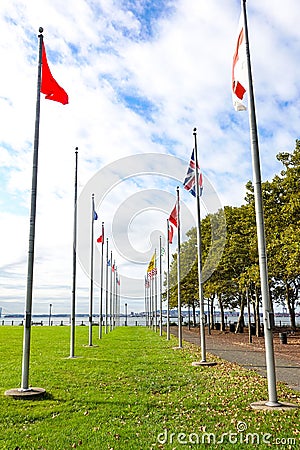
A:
177,348
265,405
26,394
204,363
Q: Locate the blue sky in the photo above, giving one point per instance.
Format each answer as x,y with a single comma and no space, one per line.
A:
140,76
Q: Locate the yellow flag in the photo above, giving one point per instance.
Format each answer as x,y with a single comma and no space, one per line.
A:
151,265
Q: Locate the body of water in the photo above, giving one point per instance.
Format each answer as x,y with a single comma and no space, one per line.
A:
280,320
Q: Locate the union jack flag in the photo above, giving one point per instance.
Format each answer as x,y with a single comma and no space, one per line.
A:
189,181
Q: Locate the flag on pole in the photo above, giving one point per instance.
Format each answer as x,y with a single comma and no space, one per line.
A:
49,86
173,217
147,282
152,270
108,262
100,239
170,234
239,69
173,222
189,181
94,214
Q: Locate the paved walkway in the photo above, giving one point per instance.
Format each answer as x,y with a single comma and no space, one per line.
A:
287,371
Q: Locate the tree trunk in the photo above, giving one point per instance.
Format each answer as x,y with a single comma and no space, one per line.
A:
257,316
291,306
249,315
240,323
222,312
194,313
212,321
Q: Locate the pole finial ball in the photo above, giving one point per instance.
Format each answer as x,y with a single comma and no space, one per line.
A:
41,29
195,129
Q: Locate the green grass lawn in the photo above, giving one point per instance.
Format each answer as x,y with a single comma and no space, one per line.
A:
133,391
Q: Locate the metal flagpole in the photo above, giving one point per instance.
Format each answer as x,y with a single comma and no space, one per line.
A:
199,248
106,290
168,282
151,302
160,288
101,285
155,292
261,240
28,307
178,272
145,298
110,294
116,288
148,301
114,296
72,338
91,276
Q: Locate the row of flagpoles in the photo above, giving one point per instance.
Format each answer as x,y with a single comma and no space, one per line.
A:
173,222
110,284
241,82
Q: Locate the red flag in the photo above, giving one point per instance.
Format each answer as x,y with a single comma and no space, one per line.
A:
239,69
171,234
49,86
100,239
173,217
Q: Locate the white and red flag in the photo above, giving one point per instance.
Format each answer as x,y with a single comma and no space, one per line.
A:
173,222
239,69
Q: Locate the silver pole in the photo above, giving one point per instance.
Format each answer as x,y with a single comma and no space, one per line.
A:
199,242
106,290
168,282
72,337
160,288
114,296
178,273
110,294
145,298
101,285
261,240
92,277
155,292
28,307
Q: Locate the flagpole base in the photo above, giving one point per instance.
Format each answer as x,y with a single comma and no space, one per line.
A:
265,405
26,394
178,348
204,363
